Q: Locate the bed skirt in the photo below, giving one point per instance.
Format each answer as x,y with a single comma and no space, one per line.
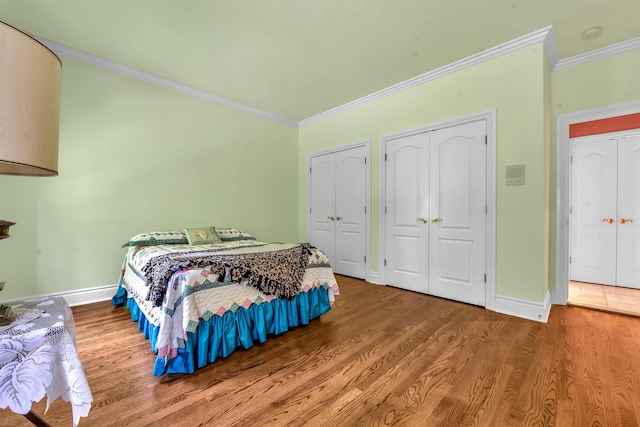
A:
222,335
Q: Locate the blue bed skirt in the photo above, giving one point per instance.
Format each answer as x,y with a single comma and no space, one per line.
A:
222,335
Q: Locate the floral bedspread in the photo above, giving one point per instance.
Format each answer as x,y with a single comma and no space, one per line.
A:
200,293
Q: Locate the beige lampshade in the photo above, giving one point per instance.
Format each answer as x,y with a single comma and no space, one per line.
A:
29,105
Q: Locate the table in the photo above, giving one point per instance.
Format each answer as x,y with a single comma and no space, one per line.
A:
38,357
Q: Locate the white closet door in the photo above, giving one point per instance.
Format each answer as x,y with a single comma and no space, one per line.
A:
457,228
322,216
338,218
594,204
629,212
350,214
435,220
407,210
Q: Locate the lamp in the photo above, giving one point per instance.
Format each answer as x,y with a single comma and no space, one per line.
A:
29,109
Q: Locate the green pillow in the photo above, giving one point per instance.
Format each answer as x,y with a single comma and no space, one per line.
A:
157,238
202,235
230,234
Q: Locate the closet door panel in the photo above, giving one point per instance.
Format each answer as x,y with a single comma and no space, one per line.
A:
350,200
629,212
457,213
407,210
322,217
594,212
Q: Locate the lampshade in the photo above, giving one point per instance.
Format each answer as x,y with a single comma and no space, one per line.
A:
29,105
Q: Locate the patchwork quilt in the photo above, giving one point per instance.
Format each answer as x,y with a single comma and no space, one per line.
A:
195,291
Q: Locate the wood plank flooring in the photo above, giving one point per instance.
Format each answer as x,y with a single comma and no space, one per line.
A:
382,356
613,299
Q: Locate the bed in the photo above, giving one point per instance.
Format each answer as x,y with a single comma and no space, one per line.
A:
199,294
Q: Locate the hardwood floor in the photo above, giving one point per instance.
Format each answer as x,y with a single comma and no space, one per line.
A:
381,356
613,299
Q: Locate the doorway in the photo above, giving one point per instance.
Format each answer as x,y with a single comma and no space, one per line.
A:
560,295
604,213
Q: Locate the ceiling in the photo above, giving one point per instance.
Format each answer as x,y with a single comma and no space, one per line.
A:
299,58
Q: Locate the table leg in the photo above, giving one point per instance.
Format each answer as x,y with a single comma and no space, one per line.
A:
36,419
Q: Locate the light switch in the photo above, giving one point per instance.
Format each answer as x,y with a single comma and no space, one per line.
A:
515,174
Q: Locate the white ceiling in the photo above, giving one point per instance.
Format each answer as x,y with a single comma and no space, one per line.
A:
298,58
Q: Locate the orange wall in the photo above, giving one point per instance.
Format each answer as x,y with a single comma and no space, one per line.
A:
611,124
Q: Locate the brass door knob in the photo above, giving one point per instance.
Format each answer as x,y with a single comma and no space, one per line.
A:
424,220
331,218
338,218
625,220
608,220
435,219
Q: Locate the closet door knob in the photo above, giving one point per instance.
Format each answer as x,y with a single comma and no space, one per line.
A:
608,220
435,219
331,218
338,218
625,220
424,220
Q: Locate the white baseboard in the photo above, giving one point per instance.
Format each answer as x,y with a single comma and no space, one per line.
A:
82,296
555,298
90,295
374,277
525,309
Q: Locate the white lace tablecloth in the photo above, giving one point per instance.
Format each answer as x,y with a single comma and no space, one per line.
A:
38,358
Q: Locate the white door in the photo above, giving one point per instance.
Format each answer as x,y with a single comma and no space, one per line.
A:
604,211
435,212
322,216
338,209
458,211
629,212
407,210
350,212
593,212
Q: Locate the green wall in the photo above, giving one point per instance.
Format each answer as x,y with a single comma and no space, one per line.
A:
513,84
607,81
136,157
527,97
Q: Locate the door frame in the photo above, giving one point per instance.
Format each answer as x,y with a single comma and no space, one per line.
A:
490,226
366,143
563,181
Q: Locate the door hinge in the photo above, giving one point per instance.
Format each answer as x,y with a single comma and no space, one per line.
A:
485,140
571,159
570,209
365,160
309,209
385,157
385,262
485,278
486,209
365,209
570,260
309,169
385,209
365,258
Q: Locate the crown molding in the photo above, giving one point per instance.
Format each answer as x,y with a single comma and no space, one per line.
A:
545,35
97,61
551,49
542,35
598,53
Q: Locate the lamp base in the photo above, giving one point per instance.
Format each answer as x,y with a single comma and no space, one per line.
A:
5,315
